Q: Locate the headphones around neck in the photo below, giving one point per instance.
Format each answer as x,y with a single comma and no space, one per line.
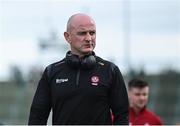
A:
85,62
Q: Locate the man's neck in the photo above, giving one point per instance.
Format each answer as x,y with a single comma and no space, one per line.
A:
137,110
81,55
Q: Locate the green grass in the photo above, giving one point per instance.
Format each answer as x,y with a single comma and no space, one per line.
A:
15,103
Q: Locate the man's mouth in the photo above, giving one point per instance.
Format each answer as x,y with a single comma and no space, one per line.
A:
88,45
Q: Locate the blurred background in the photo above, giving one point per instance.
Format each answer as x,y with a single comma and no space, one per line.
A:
142,37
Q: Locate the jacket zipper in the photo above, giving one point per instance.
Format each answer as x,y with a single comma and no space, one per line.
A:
77,77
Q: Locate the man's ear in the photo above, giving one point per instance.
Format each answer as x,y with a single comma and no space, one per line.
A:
67,37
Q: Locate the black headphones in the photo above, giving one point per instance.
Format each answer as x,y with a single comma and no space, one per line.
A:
85,62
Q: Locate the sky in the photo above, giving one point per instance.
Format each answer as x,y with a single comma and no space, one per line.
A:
131,33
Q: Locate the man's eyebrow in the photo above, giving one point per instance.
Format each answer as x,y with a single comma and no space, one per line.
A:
86,31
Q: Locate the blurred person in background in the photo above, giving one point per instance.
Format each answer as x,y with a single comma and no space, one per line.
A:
139,114
82,88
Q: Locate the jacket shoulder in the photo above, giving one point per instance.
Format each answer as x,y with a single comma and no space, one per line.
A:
154,116
57,63
102,61
50,68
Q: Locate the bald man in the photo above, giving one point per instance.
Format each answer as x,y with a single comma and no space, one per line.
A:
82,88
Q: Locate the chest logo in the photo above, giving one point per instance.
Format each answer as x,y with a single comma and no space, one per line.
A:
94,80
58,81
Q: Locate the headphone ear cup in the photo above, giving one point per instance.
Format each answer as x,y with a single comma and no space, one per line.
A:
88,62
72,60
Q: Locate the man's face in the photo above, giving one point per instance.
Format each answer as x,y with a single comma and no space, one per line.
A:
82,37
138,97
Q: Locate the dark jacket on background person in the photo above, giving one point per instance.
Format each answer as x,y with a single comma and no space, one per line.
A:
80,96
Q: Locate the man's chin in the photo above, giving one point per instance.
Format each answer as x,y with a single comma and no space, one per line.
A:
141,106
87,51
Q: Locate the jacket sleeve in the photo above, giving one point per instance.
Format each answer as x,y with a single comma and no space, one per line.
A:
41,104
118,98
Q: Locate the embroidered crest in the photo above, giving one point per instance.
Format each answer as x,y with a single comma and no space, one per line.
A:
94,80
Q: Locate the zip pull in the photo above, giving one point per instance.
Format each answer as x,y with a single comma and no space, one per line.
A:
77,77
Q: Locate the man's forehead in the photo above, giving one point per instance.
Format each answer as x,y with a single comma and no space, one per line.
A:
83,24
137,89
90,27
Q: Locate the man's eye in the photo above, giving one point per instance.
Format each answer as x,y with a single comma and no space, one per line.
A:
92,32
144,94
137,94
81,33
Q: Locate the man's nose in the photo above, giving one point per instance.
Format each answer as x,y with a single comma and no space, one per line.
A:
88,37
142,97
